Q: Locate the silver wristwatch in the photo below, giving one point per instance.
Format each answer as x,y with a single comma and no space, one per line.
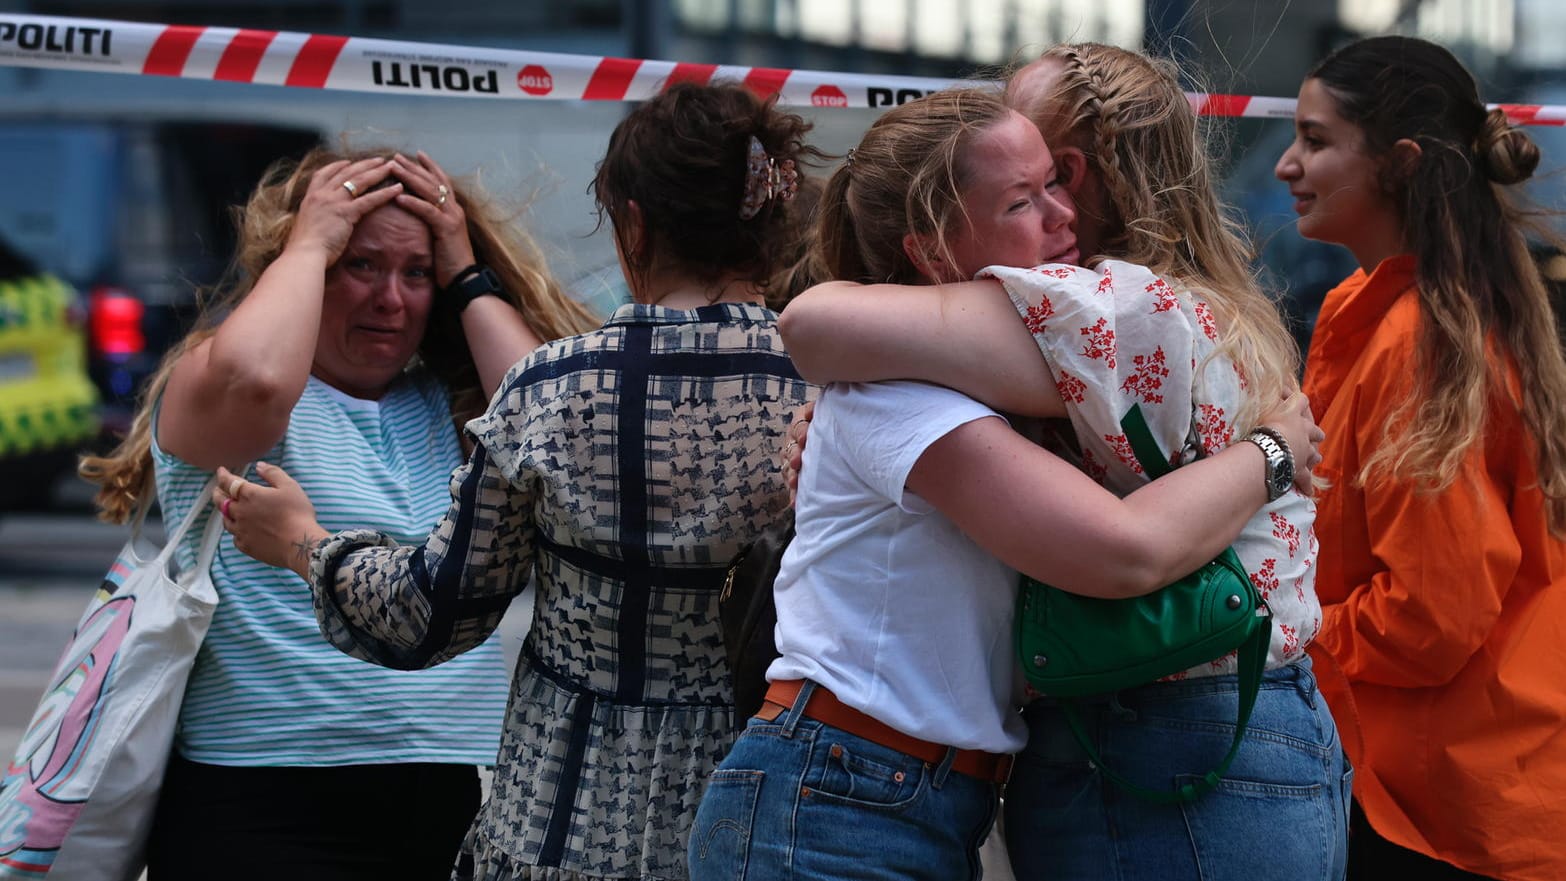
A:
1280,461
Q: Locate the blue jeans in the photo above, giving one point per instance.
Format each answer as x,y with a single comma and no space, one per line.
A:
1281,811
796,800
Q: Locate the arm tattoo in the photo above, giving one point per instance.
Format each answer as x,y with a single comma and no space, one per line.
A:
303,548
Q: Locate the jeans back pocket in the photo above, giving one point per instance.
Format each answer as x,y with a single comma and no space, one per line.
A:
720,840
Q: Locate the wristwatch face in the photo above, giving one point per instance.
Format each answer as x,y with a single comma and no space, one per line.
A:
1282,475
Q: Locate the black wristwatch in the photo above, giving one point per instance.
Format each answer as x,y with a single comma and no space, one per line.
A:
470,284
1280,460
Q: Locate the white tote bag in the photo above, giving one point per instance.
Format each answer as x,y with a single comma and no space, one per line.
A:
76,803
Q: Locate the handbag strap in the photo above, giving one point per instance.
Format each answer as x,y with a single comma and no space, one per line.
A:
1148,455
1251,661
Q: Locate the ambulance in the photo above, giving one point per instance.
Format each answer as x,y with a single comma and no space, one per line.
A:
48,405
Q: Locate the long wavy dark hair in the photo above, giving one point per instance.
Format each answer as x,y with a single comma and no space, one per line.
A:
1484,307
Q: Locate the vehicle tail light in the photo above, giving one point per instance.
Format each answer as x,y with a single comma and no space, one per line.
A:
115,324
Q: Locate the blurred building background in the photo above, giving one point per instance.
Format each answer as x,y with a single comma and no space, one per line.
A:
150,223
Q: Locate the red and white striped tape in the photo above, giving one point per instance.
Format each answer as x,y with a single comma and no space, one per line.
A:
360,64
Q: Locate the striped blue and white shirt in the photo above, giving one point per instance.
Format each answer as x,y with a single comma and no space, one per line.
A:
267,689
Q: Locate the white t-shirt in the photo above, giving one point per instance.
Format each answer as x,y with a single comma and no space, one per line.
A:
882,599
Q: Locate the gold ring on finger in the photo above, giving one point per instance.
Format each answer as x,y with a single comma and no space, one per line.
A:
353,191
234,485
443,193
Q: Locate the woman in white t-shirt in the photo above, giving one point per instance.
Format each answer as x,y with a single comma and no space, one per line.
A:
890,718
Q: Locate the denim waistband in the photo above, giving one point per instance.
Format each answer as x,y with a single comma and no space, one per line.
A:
1295,674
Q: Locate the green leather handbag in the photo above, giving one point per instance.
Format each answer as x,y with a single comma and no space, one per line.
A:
1071,646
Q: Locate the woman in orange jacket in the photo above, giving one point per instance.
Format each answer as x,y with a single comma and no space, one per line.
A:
1440,382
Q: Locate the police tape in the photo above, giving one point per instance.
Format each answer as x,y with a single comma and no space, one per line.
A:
362,64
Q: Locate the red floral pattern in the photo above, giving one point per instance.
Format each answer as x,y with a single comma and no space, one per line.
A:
1072,390
1282,528
1212,428
1164,298
1121,446
1100,343
1204,319
1036,316
1266,578
1291,638
1147,377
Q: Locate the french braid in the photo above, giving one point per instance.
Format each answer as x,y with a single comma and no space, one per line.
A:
1129,116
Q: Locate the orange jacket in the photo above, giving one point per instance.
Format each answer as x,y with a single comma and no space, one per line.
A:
1443,646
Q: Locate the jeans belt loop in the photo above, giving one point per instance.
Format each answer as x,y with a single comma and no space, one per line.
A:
943,769
796,707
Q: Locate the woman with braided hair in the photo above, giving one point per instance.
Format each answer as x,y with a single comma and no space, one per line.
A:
1127,147
1442,385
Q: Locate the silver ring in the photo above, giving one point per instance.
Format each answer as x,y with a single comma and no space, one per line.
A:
443,193
353,191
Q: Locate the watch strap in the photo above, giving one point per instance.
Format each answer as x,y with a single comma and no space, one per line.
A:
1280,460
470,284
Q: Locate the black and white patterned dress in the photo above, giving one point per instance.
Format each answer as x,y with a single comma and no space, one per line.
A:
621,469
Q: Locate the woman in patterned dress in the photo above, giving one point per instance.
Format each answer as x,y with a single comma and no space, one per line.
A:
894,693
620,470
1176,316
341,351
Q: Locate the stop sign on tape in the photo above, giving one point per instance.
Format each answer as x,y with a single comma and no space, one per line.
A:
534,79
828,96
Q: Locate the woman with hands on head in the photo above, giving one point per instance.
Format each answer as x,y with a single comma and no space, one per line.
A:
892,709
345,347
1168,318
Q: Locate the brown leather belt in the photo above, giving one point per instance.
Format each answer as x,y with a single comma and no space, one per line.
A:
824,707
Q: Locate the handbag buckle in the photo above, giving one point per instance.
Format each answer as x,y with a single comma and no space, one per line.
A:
728,583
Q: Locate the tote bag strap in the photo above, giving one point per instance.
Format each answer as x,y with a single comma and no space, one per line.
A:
1252,658
138,520
210,536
